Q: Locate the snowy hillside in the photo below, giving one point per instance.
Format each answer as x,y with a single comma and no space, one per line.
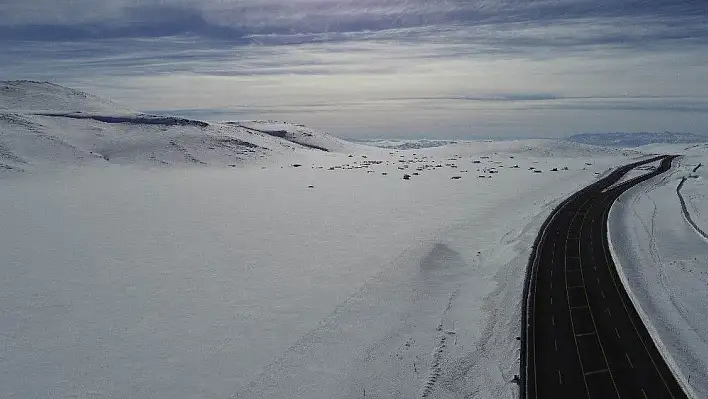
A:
22,96
139,264
622,139
409,144
44,125
298,134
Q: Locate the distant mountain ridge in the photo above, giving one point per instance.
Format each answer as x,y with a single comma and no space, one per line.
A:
44,125
626,139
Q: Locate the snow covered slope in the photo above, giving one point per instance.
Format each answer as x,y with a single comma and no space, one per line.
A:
304,273
45,125
622,139
300,135
663,252
29,96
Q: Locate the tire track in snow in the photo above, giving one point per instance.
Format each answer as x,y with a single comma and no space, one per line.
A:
438,352
684,207
435,369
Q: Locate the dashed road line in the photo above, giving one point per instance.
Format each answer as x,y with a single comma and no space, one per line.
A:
597,372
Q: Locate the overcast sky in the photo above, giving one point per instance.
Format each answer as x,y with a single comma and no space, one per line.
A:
379,68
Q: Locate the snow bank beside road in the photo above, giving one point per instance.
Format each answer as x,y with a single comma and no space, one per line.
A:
664,260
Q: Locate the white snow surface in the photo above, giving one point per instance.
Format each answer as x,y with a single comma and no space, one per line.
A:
637,172
43,125
409,144
663,261
24,95
130,270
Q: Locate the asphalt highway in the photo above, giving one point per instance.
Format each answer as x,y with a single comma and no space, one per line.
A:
582,335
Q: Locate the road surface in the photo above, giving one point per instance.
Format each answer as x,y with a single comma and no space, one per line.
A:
583,338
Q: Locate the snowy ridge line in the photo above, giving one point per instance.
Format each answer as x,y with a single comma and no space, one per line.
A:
673,366
684,208
281,134
132,119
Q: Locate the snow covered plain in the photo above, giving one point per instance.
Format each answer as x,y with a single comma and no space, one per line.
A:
663,259
146,256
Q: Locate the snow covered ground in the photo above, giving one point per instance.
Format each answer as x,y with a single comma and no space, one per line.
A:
663,259
146,256
44,125
637,172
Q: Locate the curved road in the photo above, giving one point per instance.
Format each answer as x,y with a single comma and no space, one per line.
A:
583,338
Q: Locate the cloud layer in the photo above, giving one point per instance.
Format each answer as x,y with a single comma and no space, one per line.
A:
238,21
380,67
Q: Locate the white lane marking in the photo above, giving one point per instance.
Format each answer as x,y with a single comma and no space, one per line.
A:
579,307
606,252
560,377
597,372
592,316
570,309
617,332
629,360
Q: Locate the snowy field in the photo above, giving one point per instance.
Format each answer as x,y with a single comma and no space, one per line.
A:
637,172
663,259
146,256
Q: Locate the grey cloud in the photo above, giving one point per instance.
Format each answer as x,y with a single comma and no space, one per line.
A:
300,21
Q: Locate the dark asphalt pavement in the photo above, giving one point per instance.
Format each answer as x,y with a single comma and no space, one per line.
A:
583,337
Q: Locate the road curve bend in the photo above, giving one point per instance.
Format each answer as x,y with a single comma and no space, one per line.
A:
582,336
